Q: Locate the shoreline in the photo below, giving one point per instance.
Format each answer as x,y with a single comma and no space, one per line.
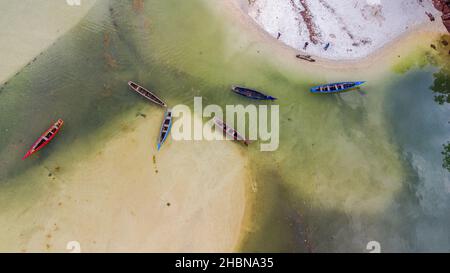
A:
405,44
352,30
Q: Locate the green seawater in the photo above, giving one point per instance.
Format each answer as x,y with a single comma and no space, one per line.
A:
350,169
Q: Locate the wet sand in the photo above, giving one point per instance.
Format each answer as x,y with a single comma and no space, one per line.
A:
189,197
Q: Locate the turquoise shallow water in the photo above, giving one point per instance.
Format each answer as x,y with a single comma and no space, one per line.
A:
414,219
421,127
350,168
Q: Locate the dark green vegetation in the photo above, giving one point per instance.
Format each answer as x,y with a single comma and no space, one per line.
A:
446,154
441,85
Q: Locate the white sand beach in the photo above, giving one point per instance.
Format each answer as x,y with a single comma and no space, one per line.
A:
375,64
32,26
189,198
349,29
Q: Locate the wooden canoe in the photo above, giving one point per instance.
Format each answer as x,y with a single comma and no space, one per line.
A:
44,139
146,94
165,128
335,87
250,93
227,130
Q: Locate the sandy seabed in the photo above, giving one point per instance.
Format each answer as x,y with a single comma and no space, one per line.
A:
189,197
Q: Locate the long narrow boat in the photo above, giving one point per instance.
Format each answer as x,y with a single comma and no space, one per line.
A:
335,87
146,94
165,128
306,58
45,138
230,131
250,93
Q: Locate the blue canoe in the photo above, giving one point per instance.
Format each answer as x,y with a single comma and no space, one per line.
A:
165,128
250,93
335,87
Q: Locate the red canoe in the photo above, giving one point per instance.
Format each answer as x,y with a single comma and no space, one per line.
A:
45,138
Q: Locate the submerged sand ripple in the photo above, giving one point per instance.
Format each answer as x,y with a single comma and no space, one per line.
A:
114,200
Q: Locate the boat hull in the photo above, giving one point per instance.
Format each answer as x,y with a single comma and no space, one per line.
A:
250,93
165,128
231,132
335,87
146,94
306,58
44,139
